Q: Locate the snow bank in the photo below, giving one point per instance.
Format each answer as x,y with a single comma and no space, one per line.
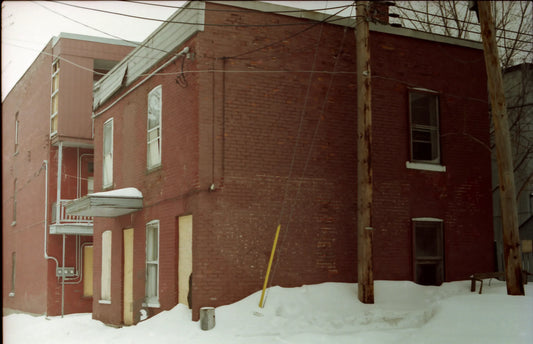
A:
403,312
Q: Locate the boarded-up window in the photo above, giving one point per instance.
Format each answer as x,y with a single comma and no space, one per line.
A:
105,292
424,115
428,252
152,264
88,271
107,173
153,135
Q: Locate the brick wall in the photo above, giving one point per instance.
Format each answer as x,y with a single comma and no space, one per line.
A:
238,131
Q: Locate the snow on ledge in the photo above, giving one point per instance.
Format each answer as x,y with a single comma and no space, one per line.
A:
124,193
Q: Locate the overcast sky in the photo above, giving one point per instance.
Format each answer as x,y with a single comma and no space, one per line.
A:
27,26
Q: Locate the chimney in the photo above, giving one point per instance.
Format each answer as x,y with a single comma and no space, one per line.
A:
379,11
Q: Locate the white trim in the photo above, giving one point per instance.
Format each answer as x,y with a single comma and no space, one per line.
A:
424,166
110,182
151,304
421,89
158,140
104,302
426,219
152,301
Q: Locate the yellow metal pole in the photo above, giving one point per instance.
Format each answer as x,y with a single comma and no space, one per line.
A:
261,304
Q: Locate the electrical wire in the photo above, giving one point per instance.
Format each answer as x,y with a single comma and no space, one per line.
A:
443,18
286,38
308,158
189,23
236,10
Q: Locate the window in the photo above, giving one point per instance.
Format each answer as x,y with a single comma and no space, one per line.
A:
14,222
152,264
55,98
153,136
107,176
13,267
105,291
424,117
16,132
428,251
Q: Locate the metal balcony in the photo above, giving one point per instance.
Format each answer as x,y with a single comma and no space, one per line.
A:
70,224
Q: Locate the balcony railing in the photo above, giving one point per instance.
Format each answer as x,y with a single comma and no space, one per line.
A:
65,218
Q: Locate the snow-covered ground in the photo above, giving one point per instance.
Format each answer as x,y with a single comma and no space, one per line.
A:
404,312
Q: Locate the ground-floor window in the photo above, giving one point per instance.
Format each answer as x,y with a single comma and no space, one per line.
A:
13,269
105,291
152,264
88,271
428,251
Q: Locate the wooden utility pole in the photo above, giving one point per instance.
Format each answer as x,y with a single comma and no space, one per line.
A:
365,276
511,240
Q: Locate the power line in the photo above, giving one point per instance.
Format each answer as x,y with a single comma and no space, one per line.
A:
189,23
444,18
286,38
101,31
237,10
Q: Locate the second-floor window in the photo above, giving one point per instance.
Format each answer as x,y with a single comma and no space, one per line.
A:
153,135
107,163
55,97
424,117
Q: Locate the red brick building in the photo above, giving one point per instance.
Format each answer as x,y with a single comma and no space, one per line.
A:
46,128
248,122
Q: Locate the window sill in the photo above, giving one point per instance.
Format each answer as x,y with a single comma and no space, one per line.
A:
425,166
153,169
152,304
104,302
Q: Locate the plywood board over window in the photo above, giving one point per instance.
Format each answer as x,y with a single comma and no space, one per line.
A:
105,290
88,271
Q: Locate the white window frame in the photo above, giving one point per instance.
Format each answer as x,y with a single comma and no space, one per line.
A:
14,222
153,155
107,178
17,124
54,95
433,130
105,278
13,273
152,300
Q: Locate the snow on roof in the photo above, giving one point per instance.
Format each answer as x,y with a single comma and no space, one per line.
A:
125,193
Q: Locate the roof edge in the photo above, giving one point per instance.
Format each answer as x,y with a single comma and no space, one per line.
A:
96,39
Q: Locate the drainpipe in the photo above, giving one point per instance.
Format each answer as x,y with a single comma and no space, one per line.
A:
58,215
46,256
63,281
59,172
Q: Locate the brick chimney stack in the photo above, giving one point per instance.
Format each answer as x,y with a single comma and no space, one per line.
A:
379,11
